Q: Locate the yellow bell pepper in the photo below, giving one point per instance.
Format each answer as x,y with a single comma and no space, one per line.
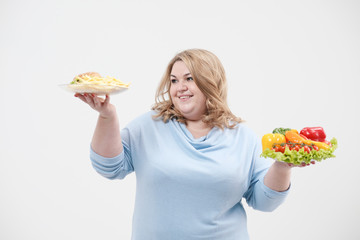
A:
268,140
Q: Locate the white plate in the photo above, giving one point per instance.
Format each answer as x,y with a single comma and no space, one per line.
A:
93,88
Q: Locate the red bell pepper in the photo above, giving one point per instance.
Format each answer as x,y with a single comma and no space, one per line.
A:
314,133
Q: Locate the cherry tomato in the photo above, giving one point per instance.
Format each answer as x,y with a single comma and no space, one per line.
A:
307,149
276,148
296,148
282,149
315,147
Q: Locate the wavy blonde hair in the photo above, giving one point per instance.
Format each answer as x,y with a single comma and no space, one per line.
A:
209,76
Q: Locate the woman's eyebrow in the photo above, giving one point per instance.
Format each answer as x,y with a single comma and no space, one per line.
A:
186,74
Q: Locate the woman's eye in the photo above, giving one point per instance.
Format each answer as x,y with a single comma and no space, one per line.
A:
190,79
173,80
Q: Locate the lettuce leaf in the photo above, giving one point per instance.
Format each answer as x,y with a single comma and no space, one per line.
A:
297,158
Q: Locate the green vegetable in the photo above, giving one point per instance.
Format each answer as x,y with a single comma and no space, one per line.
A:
281,130
299,157
77,80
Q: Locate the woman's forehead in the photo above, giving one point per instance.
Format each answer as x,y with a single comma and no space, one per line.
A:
179,69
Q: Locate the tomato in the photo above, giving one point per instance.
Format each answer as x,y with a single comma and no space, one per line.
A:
276,148
315,147
282,149
307,149
296,148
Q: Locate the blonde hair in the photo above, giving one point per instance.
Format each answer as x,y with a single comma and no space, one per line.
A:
209,76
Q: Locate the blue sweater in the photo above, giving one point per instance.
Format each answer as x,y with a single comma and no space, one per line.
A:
190,189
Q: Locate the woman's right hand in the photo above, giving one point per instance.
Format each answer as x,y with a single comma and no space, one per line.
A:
103,106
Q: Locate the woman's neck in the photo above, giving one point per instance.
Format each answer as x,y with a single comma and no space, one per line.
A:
197,128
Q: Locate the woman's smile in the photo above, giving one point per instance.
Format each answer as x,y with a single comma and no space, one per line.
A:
185,97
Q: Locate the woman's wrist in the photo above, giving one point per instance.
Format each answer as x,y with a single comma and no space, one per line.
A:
282,166
278,176
109,113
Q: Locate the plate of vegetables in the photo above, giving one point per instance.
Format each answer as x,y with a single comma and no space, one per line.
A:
298,148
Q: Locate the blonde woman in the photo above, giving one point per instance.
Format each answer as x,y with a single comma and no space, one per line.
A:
194,159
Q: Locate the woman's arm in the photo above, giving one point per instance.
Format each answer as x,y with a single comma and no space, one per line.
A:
278,176
106,140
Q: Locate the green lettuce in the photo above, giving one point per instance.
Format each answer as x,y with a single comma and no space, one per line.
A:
299,157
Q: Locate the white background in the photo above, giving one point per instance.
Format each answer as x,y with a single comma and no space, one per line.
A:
288,63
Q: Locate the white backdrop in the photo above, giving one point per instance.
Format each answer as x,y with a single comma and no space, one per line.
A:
289,64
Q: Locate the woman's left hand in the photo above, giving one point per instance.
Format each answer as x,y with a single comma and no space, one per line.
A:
278,176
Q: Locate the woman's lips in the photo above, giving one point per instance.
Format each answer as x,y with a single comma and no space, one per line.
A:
185,97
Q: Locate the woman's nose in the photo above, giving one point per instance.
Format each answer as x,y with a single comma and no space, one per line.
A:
183,86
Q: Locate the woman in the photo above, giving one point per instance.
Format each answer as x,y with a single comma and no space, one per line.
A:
194,160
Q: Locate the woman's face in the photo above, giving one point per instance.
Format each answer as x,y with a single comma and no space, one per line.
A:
185,95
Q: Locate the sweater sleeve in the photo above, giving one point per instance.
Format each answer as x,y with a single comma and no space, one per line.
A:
112,168
258,195
123,164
